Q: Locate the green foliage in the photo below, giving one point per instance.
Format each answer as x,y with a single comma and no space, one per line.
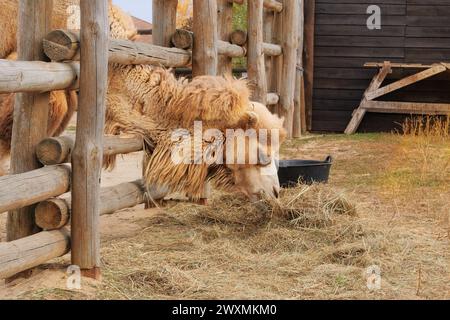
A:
240,22
240,16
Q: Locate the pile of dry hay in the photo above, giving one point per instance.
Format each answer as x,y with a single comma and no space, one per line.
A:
304,206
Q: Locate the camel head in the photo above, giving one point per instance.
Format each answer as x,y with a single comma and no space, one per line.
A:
256,173
233,160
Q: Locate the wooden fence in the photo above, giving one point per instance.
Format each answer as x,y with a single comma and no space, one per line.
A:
29,193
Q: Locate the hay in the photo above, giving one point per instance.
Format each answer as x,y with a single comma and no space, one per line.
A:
301,207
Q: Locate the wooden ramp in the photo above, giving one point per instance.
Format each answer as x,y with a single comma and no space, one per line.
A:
374,91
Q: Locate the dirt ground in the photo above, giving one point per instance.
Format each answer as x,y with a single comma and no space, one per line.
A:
400,186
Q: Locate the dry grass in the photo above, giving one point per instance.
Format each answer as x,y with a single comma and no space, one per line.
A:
387,205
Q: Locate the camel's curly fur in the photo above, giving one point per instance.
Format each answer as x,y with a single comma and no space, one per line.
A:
151,101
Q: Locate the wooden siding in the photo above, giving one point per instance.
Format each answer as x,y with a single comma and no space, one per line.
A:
413,31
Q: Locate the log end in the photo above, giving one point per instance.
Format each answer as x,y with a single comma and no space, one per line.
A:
61,45
52,214
53,151
238,37
182,39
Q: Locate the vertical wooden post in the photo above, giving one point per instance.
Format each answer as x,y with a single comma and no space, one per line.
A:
269,19
88,151
310,8
225,27
31,110
289,44
204,53
164,21
255,56
277,62
299,102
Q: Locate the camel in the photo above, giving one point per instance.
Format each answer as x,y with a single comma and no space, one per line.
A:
151,101
63,104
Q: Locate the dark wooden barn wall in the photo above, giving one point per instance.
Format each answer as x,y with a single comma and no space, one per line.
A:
414,31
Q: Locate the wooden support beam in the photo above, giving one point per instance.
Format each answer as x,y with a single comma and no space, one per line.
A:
290,44
63,45
57,150
309,12
360,112
225,27
34,76
164,21
205,51
32,251
406,107
255,55
30,110
299,126
25,189
434,70
88,152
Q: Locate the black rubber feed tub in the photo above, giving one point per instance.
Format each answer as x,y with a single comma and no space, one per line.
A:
291,172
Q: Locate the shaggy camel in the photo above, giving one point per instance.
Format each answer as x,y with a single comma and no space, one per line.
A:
62,103
151,101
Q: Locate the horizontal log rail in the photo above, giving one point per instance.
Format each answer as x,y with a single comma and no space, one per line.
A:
230,50
184,39
272,49
32,251
268,4
26,253
57,150
272,98
54,213
63,45
24,189
35,76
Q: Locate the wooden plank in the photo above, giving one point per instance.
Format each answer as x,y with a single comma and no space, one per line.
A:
164,21
88,152
398,65
407,107
30,111
255,55
205,55
436,69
